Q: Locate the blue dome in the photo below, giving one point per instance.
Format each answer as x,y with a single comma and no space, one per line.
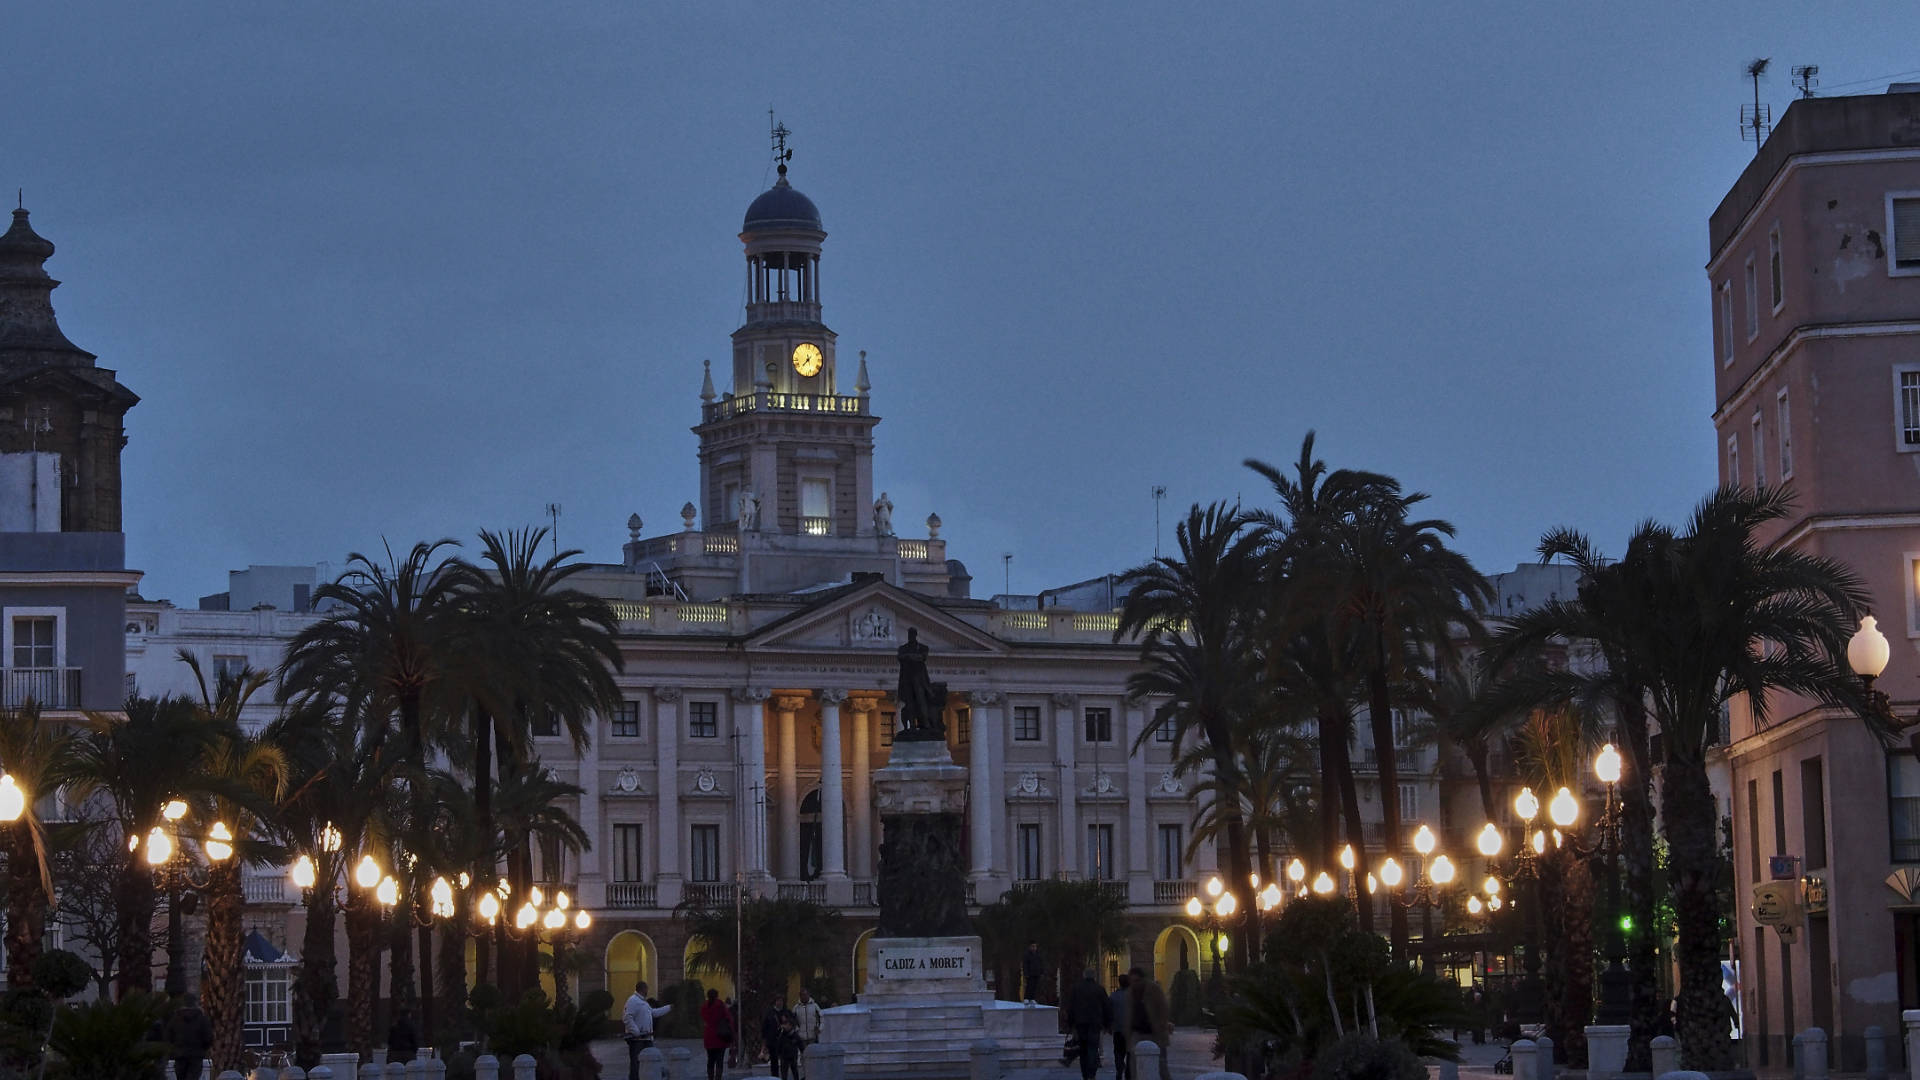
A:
781,207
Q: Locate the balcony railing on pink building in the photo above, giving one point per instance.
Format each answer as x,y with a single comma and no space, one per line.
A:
709,893
769,400
813,892
1174,892
632,894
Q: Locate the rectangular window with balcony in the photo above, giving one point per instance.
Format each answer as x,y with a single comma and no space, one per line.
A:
33,641
703,719
1409,802
626,720
1753,301
626,853
703,854
1173,863
1099,725
553,860
816,506
1031,867
1163,731
1026,723
1100,852
1907,382
1726,322
1774,269
227,668
1783,433
269,994
1759,453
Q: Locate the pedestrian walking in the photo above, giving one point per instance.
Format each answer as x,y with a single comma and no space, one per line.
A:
716,1034
190,1034
787,1048
1149,1018
771,1024
636,1026
1117,1024
1090,1013
806,1025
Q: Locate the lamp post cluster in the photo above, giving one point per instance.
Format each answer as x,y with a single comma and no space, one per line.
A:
176,872
536,913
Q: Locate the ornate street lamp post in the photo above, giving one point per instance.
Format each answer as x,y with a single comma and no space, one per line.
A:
1530,1000
1616,985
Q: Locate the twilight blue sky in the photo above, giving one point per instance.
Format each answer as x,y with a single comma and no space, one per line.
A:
411,270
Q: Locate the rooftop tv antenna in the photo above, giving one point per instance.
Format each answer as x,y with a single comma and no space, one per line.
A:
779,133
1159,495
1756,120
553,512
1806,77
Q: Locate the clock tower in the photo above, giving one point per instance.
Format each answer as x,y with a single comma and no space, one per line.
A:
783,453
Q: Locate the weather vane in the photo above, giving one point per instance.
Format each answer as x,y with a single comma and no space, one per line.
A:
781,155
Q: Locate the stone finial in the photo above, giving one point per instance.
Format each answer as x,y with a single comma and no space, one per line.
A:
633,527
706,381
687,514
863,385
933,526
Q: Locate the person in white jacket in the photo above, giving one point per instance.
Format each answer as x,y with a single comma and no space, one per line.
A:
806,1024
636,1026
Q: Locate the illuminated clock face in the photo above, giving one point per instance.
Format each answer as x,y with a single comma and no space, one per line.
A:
806,359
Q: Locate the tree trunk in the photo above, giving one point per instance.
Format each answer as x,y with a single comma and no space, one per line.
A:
453,971
423,940
363,970
134,901
1692,825
400,971
26,906
318,987
485,871
1333,761
1638,888
1380,713
1356,834
225,966
1477,757
1240,875
1568,912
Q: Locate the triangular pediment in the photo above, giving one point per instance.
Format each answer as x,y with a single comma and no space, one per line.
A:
874,618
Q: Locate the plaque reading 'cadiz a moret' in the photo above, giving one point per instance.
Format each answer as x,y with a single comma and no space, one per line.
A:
920,962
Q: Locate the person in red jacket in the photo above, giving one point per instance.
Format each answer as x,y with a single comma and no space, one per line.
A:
716,1034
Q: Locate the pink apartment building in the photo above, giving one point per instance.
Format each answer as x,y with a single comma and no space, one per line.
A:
1815,292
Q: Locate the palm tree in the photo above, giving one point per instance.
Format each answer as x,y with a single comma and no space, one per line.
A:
1469,716
528,646
1274,770
1191,613
245,775
40,756
780,940
138,764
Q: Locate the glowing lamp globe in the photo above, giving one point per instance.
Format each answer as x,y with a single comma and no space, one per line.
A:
1323,883
1424,842
330,838
464,879
1223,944
1527,805
555,919
367,873
441,895
303,873
1564,810
1492,885
387,892
174,810
1606,765
489,907
1441,871
1473,905
13,801
535,896
1373,883
526,916
1214,885
1270,896
159,847
133,842
1390,873
1296,871
1867,652
1226,905
1490,841
1493,903
1346,857
582,920
1539,842
1194,907
219,845
560,901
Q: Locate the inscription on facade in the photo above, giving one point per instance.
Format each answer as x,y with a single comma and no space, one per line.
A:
921,962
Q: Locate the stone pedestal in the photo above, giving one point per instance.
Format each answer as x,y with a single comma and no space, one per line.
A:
925,1004
1606,1049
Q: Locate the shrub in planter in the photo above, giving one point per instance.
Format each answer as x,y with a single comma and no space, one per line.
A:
107,1040
1360,1056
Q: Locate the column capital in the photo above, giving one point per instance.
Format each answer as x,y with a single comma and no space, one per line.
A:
751,694
831,695
1064,700
983,697
863,703
667,694
790,703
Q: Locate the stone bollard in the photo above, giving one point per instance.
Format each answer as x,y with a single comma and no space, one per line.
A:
1876,1043
322,1071
231,1074
486,1067
1543,1058
415,1069
1665,1052
653,1065
1813,1053
396,1070
293,1072
523,1067
378,1066
984,1060
1449,1070
343,1066
680,1064
1682,1074
1145,1063
1797,1056
1606,1049
1910,1029
262,1072
1239,1076
1526,1060
434,1069
826,1061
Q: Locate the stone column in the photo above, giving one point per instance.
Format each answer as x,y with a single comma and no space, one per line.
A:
750,801
666,797
860,793
589,816
785,707
984,800
1139,866
1066,736
833,815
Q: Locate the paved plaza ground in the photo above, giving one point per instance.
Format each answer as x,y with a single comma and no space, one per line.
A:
1192,1055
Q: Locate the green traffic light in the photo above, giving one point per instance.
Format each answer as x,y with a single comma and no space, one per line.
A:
1626,923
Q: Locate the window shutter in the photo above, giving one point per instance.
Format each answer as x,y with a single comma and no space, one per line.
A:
1906,232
